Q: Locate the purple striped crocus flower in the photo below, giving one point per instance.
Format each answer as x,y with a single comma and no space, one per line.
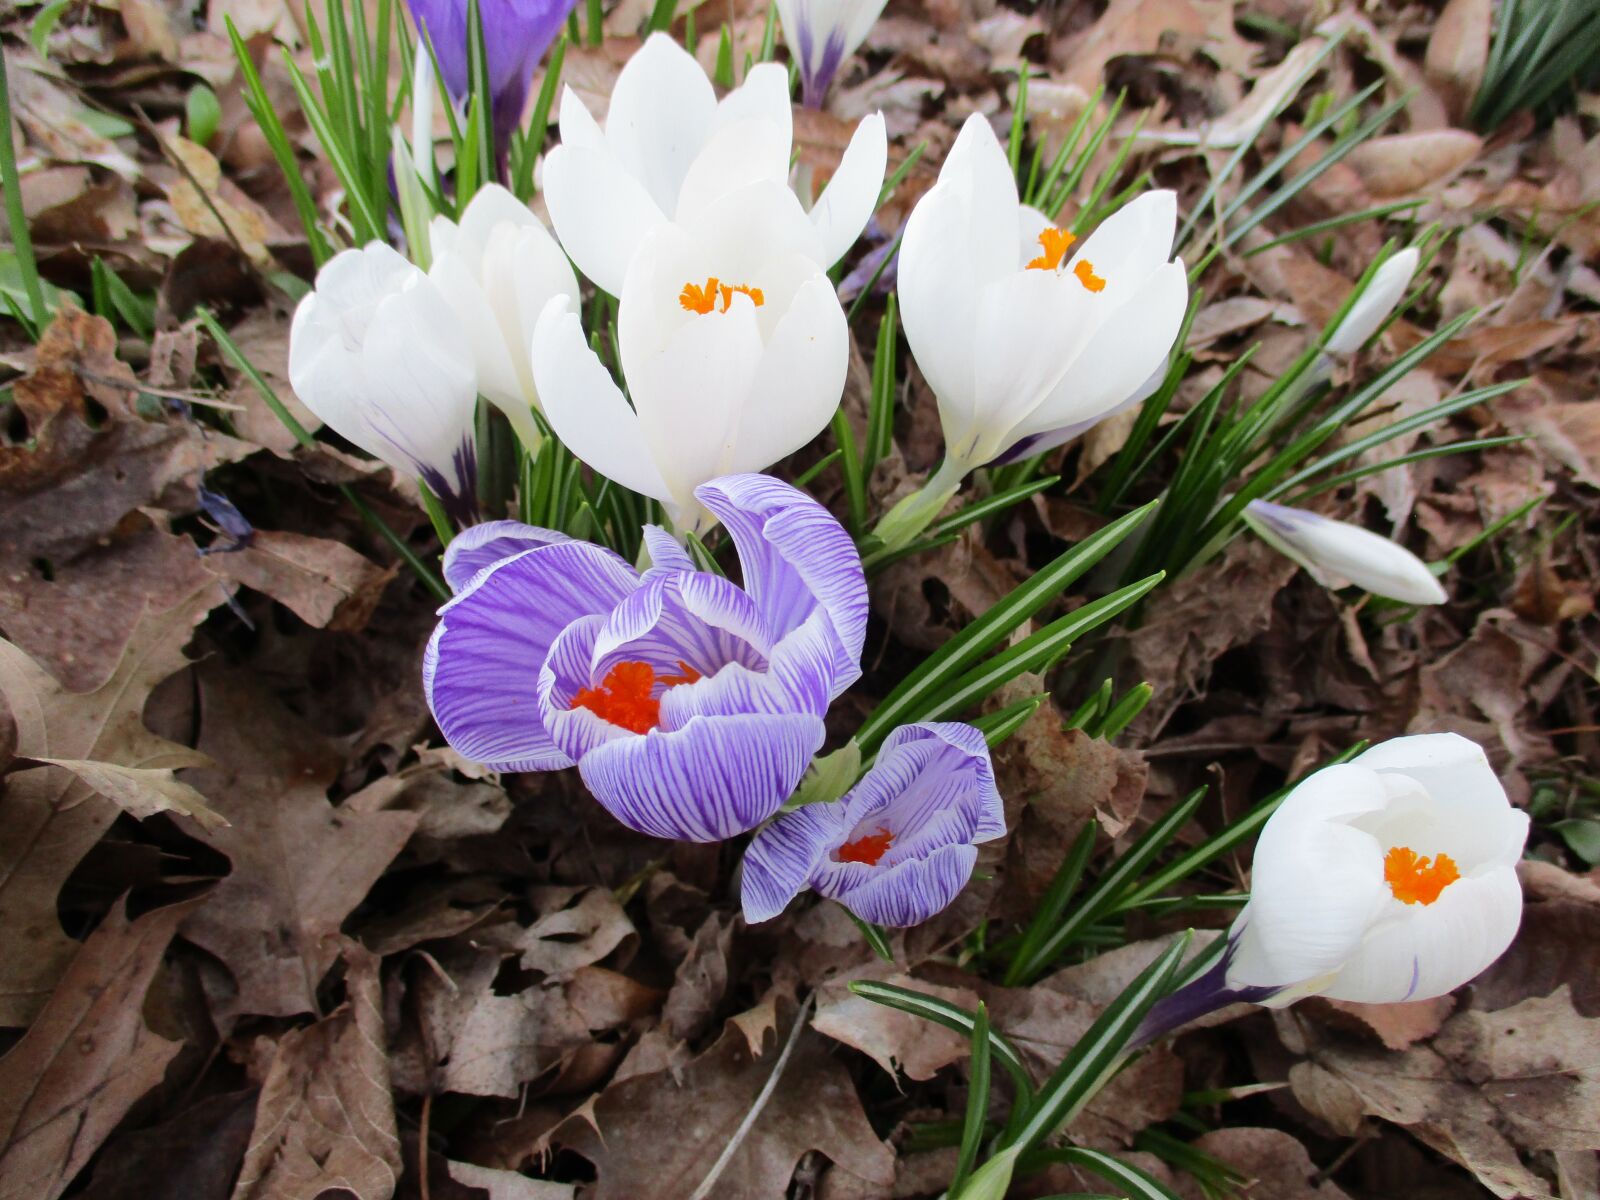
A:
516,33
691,705
899,846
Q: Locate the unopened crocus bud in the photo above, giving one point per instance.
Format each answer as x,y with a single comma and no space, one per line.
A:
1335,553
1372,308
821,34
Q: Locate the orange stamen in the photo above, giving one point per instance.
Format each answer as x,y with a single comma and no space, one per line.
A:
1414,878
1056,243
1086,276
625,696
868,849
702,300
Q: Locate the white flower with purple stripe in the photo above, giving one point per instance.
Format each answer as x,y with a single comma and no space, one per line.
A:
690,705
899,846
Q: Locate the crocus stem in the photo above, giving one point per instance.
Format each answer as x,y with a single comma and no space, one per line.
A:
917,511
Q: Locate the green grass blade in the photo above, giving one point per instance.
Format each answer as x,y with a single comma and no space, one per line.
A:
975,1122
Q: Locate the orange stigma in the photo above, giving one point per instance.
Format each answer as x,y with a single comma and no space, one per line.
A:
1416,879
868,849
624,696
702,300
1086,276
1056,243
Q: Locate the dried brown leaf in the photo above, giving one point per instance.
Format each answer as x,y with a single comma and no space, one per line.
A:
896,1041
325,1119
86,1059
323,582
52,818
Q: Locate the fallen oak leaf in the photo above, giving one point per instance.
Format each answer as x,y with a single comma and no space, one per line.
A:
144,791
87,1058
325,1119
51,817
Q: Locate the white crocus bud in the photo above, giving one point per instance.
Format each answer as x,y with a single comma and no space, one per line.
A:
1384,291
1336,553
669,150
423,90
381,357
1018,330
732,344
1392,877
821,34
498,269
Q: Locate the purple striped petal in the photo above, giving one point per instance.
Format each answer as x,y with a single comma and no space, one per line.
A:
931,791
795,557
782,857
480,546
568,669
712,779
696,620
666,555
481,669
910,892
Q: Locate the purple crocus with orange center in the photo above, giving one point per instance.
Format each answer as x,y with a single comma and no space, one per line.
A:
691,705
516,33
899,846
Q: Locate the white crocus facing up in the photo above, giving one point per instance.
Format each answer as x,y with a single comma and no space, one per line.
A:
1336,553
378,353
1383,293
1392,877
733,347
1389,878
821,34
668,151
498,269
1021,334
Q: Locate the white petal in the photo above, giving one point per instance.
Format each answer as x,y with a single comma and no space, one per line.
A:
691,394
738,154
1316,883
1029,227
662,109
1385,290
578,127
1333,550
1130,244
600,212
324,371
799,382
1125,349
847,203
1427,950
764,95
498,377
859,18
585,407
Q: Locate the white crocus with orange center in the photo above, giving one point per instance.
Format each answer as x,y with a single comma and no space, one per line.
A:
668,151
1388,878
498,269
1025,334
732,344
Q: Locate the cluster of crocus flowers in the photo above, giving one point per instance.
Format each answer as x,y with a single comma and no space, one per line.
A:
1336,553
1388,878
516,33
670,152
1027,336
821,34
899,846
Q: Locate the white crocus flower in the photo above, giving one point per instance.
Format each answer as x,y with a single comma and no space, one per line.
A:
1392,877
1018,336
378,353
1336,553
668,151
820,34
498,269
1383,292
732,344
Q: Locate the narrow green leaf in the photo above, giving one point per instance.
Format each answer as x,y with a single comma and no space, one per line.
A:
16,216
976,1121
951,1016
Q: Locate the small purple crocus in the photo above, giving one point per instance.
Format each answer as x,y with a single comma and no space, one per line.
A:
691,705
899,846
516,33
